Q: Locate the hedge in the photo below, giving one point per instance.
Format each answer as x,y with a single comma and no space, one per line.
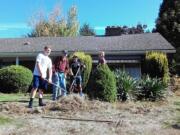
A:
14,79
157,66
103,84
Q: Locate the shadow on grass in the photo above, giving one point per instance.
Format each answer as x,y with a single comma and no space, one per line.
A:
176,126
20,101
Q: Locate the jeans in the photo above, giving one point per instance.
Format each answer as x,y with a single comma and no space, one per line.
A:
59,79
56,90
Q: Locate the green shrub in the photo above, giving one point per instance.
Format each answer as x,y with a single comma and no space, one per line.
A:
157,66
150,89
126,85
87,60
15,79
103,84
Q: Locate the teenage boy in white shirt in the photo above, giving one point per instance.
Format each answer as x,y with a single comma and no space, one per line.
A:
43,64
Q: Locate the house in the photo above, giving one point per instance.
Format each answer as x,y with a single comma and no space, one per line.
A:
126,51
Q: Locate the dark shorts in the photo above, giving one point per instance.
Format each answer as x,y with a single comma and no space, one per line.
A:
39,83
78,80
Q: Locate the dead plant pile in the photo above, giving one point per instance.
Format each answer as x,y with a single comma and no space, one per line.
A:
74,103
69,103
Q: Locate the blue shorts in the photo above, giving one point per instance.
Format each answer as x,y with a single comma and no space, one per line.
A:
78,80
39,83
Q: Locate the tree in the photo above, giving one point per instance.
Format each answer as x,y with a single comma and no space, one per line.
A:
168,22
72,23
124,30
86,30
54,24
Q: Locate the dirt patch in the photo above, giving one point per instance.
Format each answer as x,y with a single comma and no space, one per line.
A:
13,108
20,109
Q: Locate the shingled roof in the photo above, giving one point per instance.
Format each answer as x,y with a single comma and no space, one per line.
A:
125,44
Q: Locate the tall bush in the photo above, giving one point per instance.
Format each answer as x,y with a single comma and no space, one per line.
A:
87,60
15,79
103,84
157,65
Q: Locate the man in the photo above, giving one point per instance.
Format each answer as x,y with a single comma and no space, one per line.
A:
43,64
61,68
76,70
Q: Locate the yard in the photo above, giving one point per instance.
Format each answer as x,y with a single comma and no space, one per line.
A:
78,116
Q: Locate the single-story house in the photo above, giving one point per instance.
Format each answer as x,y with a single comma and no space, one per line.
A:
125,51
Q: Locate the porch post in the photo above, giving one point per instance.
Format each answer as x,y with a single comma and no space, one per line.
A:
17,60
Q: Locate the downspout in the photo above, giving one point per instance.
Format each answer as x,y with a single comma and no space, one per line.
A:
17,60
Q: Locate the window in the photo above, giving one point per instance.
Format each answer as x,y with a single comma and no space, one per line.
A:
134,70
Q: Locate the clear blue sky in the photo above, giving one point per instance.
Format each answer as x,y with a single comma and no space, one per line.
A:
15,14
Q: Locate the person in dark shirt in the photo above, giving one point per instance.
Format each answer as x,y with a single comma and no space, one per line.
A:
76,69
60,69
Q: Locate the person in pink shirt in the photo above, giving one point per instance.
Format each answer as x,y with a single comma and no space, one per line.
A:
102,59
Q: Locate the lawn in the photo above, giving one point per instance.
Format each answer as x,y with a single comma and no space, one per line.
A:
20,97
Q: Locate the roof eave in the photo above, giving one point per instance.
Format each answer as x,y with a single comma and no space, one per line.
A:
111,52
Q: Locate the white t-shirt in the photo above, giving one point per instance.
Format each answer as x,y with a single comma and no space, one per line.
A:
45,63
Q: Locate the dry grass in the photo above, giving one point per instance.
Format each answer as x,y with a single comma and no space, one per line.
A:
13,108
68,103
137,118
175,81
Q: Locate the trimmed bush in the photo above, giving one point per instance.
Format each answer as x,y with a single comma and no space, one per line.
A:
126,85
87,60
157,66
103,84
150,89
15,79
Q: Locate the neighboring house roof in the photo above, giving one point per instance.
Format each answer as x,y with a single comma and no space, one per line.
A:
125,44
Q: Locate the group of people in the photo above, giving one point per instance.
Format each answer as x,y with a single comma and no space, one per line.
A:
56,73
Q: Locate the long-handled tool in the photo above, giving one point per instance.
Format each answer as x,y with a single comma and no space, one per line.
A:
55,85
49,83
79,119
74,80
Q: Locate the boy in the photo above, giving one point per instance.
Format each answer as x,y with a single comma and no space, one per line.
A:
43,64
76,70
